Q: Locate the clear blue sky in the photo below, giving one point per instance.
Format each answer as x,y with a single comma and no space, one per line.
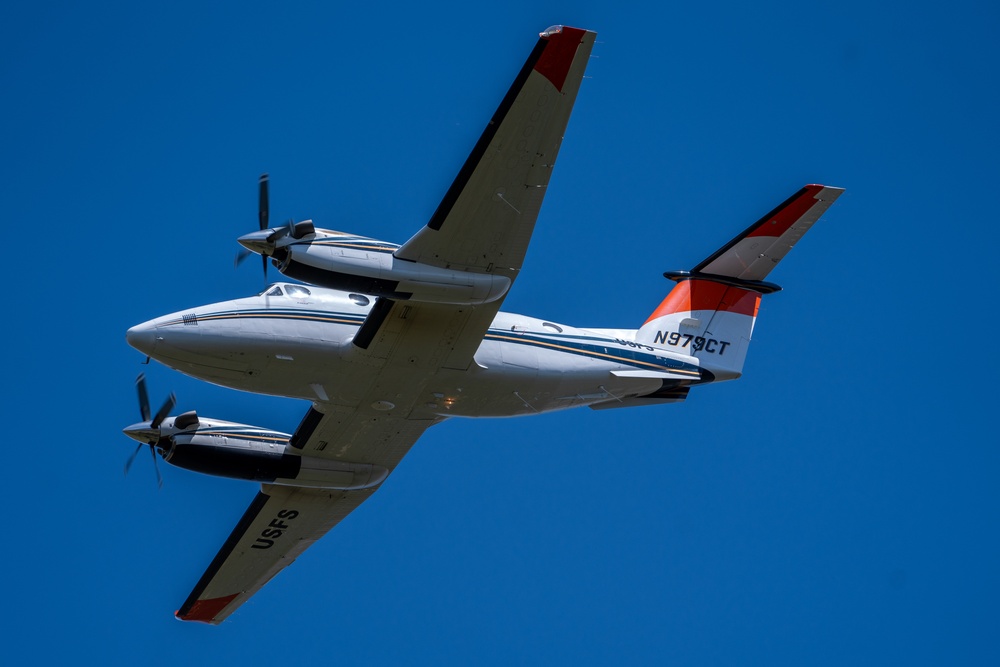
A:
837,505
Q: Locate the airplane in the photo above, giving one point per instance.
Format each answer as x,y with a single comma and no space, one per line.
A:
387,340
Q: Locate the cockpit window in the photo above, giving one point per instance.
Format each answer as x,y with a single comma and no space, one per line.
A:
274,291
297,291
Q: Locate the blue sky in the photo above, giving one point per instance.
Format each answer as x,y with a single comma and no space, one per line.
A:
836,505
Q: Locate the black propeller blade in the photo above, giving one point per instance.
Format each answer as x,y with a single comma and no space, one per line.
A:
168,405
263,213
128,464
140,383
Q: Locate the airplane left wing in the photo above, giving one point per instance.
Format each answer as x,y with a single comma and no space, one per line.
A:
486,218
280,524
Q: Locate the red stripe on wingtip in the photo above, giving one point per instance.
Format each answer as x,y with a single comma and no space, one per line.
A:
780,222
205,611
558,55
690,295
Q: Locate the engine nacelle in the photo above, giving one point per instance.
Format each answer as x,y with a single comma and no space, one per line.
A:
239,451
360,264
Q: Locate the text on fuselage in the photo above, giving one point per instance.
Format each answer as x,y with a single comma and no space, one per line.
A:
696,343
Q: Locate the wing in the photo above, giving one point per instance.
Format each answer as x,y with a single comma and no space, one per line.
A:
486,218
752,254
280,524
284,521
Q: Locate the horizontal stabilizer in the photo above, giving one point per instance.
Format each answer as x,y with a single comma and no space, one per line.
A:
751,255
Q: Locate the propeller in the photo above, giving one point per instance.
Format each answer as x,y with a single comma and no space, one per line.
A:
148,431
263,240
263,213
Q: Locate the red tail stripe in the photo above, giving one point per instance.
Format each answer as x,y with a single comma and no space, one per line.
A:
691,295
558,55
779,223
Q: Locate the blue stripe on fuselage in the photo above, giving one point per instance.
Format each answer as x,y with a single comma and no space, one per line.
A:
588,346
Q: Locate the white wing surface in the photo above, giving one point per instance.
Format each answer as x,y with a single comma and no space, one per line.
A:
759,248
280,524
485,220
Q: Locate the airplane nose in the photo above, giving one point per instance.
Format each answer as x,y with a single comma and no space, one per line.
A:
143,338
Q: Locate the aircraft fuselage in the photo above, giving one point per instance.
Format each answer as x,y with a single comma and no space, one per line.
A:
300,346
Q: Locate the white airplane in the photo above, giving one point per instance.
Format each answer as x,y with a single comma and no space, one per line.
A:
390,340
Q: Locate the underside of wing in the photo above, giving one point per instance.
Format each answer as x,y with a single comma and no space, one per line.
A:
283,521
758,249
279,525
486,219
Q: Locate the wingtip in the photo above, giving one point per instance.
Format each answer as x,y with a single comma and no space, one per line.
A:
827,189
557,58
205,611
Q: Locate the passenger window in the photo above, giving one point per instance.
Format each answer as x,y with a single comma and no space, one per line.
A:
360,299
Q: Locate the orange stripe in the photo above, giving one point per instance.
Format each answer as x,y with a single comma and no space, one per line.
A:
689,295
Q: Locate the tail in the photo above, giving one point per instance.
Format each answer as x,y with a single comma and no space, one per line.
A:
710,313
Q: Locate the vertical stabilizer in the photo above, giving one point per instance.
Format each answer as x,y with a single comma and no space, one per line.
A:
708,320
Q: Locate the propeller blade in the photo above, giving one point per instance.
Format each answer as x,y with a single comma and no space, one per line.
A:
168,405
156,467
128,464
240,256
140,383
263,210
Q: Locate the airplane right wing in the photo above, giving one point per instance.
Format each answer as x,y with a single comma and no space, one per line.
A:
281,523
284,521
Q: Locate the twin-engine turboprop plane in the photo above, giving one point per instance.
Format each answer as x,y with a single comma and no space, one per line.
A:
388,340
